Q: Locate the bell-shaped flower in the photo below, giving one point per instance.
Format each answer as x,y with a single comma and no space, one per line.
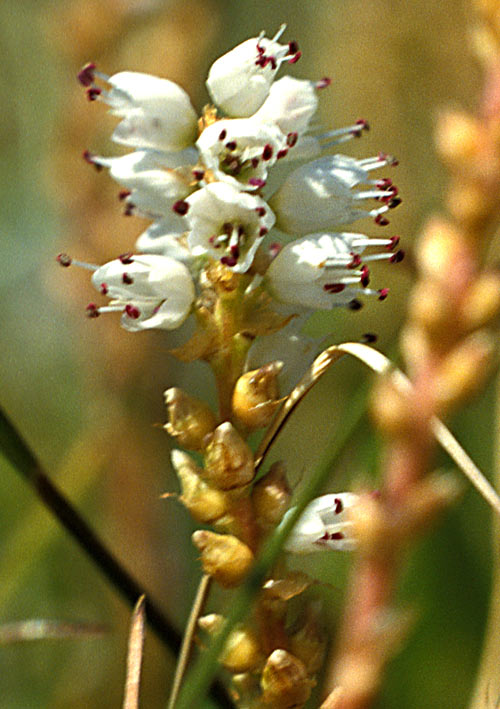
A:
239,81
152,187
325,270
319,195
291,104
156,113
324,524
150,291
227,224
241,150
166,237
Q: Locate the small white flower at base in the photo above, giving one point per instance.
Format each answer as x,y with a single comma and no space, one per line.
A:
239,81
323,525
150,291
157,113
325,270
240,151
227,224
319,195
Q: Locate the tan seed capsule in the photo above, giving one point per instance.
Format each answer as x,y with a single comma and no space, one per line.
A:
271,496
205,503
190,419
228,459
242,650
223,556
285,683
256,396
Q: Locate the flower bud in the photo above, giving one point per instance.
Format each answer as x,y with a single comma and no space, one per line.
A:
481,303
464,370
432,309
285,683
223,556
190,419
440,245
228,459
255,396
391,409
458,139
271,496
204,502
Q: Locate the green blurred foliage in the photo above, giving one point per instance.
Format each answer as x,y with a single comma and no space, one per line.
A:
86,395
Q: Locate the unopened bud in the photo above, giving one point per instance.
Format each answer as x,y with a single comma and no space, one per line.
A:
271,496
228,459
190,419
468,203
242,650
224,557
431,309
428,499
464,370
481,303
205,503
255,396
285,683
309,643
458,139
415,346
391,408
441,246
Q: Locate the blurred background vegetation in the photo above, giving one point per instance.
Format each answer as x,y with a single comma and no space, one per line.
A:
87,395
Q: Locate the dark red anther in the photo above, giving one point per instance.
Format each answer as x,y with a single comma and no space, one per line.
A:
86,74
123,194
354,304
274,64
381,220
292,139
369,338
223,134
323,83
394,242
231,145
254,162
282,153
334,536
93,93
103,288
394,202
89,157
235,251
267,153
338,506
383,293
365,276
198,175
132,311
363,125
126,258
229,261
256,182
64,260
356,261
129,209
384,183
260,211
293,47
180,207
127,279
274,249
295,58
334,287
397,257
263,231
92,310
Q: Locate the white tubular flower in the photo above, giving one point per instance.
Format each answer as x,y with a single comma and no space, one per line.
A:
326,270
150,291
239,81
151,189
241,150
324,524
291,104
156,112
319,195
227,224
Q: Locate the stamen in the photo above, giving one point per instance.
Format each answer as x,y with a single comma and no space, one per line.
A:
383,293
92,310
93,93
228,261
90,158
126,258
323,83
256,182
103,288
365,276
260,211
86,75
64,260
267,153
355,304
132,311
292,139
397,257
338,505
369,338
334,287
123,194
223,134
281,153
181,207
127,279
231,145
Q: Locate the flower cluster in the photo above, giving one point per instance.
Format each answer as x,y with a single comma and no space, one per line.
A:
215,186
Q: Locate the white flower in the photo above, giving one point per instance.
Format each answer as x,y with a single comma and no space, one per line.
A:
156,112
152,185
227,224
239,81
290,105
326,270
241,150
166,237
319,195
150,291
324,524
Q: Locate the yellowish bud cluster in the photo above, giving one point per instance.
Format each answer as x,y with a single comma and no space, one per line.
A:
190,420
256,396
228,459
223,556
285,681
